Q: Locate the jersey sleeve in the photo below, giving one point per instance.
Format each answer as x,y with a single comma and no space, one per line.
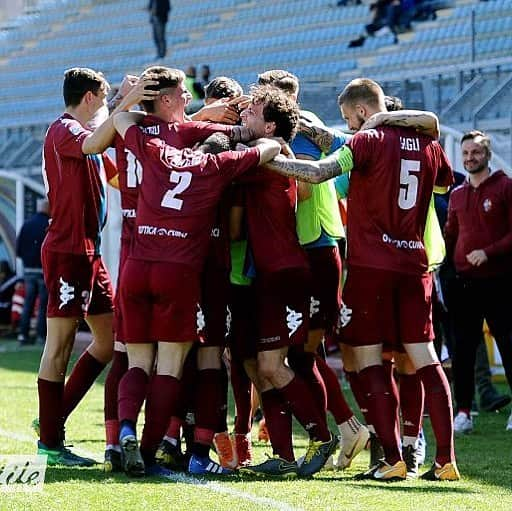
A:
362,146
451,227
110,166
234,163
69,138
444,176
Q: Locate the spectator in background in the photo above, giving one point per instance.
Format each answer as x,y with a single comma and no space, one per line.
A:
205,75
478,235
490,398
385,15
196,89
194,86
7,281
159,12
28,249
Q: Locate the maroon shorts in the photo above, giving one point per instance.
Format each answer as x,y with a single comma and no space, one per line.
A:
78,285
123,257
387,307
282,302
214,303
159,302
242,334
325,267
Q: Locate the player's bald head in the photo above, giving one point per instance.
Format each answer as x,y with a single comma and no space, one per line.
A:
362,91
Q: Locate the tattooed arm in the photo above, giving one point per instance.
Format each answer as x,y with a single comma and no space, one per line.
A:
424,122
322,136
314,171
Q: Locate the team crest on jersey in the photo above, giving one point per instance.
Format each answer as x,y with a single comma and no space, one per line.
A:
172,158
293,320
66,293
72,126
487,205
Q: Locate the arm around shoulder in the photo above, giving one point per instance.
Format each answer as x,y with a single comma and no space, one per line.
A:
309,171
125,120
268,149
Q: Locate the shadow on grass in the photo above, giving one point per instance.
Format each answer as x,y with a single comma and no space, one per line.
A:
96,474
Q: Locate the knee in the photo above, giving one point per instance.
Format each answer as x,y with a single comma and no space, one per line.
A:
209,358
267,369
55,359
102,351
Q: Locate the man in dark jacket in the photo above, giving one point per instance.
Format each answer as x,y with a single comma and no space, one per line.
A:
478,235
159,11
28,248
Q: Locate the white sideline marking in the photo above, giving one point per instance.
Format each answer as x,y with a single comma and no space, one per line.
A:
220,488
20,437
15,348
178,478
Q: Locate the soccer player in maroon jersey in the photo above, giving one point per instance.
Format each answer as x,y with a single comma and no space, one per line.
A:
160,293
318,215
166,119
208,398
388,289
77,280
282,297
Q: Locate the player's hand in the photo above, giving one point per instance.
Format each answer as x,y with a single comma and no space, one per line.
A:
477,257
139,92
286,150
221,111
373,121
241,102
127,84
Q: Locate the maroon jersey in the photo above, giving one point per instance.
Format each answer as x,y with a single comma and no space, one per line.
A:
130,170
395,170
178,197
76,187
481,219
270,201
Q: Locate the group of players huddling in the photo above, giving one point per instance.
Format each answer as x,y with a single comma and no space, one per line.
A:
230,244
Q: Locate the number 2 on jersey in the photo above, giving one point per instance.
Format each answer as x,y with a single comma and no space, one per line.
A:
408,183
182,180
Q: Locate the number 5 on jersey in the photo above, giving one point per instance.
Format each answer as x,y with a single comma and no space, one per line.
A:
182,180
408,183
